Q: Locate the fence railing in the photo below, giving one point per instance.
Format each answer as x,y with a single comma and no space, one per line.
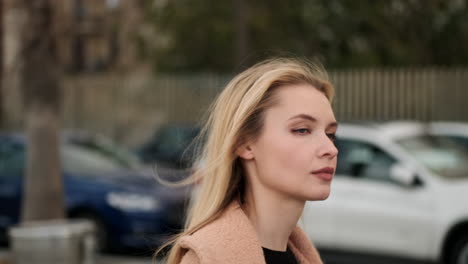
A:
130,109
421,94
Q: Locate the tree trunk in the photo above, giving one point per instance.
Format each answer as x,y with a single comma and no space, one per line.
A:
2,119
43,186
13,19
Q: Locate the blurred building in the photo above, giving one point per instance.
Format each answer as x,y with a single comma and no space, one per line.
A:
92,35
85,39
95,34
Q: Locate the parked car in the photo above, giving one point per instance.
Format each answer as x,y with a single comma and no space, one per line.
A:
170,146
398,193
103,183
456,131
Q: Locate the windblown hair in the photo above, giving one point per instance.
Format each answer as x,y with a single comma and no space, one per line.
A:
237,115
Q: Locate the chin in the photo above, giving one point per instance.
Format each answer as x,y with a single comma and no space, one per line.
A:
319,194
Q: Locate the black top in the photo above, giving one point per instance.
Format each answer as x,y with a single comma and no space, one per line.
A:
279,257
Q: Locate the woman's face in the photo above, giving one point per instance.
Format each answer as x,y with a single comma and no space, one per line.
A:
296,141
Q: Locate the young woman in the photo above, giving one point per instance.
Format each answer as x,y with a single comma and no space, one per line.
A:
269,149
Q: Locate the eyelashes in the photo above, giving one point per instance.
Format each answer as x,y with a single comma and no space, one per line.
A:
301,131
306,131
332,136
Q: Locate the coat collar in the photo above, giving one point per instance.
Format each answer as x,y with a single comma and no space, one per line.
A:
231,239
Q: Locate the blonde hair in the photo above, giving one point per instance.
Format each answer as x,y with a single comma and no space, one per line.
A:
237,116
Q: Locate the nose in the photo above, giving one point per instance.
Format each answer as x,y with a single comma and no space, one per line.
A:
328,148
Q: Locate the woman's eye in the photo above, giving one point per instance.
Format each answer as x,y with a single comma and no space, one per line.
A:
301,131
332,136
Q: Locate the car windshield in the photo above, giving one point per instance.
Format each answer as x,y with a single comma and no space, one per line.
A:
83,160
438,154
109,150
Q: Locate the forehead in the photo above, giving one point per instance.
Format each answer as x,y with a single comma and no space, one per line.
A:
302,99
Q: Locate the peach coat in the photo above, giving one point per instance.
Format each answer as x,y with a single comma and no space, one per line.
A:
231,239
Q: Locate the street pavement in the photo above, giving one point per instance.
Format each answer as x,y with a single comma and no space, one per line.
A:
100,258
329,258
118,259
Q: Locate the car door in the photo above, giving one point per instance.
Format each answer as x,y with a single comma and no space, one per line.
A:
369,212
11,171
376,213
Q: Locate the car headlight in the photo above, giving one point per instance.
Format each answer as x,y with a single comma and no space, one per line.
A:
132,202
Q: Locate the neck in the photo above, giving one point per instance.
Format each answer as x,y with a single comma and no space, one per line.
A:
273,216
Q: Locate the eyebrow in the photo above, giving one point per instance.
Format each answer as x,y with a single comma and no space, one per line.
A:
312,119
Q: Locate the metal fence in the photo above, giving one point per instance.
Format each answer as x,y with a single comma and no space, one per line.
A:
420,94
130,109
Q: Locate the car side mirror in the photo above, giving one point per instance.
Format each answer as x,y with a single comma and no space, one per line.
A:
403,175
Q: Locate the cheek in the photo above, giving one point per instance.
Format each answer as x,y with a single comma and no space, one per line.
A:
283,158
284,164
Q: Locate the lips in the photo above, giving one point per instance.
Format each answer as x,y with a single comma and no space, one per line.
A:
324,173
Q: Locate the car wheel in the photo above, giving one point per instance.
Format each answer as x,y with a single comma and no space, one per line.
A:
101,234
459,252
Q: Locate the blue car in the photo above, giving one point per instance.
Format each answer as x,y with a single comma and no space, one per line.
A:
103,183
170,146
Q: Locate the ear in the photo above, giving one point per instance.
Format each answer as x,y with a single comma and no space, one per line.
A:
245,152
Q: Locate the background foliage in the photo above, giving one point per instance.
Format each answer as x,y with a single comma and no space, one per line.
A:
200,35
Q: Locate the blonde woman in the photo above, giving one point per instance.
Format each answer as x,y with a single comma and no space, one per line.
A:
269,149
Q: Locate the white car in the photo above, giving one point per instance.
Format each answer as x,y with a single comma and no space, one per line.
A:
397,192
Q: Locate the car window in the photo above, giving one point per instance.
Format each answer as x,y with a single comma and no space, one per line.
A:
170,141
363,160
82,160
439,154
460,141
12,159
171,145
175,139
